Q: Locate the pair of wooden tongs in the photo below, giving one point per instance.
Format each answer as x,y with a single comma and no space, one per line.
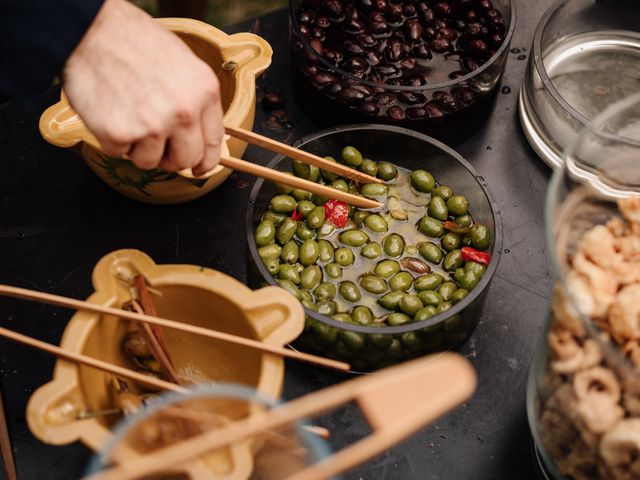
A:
396,403
302,156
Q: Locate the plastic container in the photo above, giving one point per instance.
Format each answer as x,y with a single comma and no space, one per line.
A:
415,107
370,348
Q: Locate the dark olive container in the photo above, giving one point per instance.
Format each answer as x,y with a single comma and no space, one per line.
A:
369,348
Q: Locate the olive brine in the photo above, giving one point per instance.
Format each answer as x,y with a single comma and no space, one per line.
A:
415,257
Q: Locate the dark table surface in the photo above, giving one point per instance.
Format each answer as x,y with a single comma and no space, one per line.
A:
57,219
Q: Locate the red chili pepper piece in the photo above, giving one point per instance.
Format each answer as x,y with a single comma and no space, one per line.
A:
336,212
473,255
296,215
455,228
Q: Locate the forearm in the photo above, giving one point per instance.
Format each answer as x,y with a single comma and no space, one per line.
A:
36,38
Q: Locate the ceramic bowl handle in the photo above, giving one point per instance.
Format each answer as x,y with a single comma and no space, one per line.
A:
61,126
272,310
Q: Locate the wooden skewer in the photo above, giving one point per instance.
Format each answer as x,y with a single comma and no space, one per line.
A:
301,155
89,361
296,182
5,446
396,403
42,297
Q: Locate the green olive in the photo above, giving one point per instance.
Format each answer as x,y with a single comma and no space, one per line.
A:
286,230
443,192
302,195
470,280
480,237
401,281
459,295
360,216
290,252
351,156
438,209
315,219
283,204
276,218
373,284
390,300
369,167
272,264
446,290
452,261
305,207
466,240
309,252
303,232
354,341
458,205
289,272
310,277
373,190
306,171
380,340
430,252
342,317
386,268
340,184
362,315
476,267
431,227
464,220
326,251
326,307
410,304
270,251
349,291
425,313
265,233
325,291
333,270
283,189
458,274
376,223
430,281
387,171
422,181
371,250
289,287
329,176
443,307
412,342
451,241
396,319
326,229
393,245
325,333
354,238
344,257
429,297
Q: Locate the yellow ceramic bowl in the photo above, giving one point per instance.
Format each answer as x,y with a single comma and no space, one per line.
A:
236,59
189,294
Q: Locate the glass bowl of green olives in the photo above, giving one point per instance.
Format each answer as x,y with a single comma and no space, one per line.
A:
378,286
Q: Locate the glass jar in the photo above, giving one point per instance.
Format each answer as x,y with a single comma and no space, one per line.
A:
584,57
584,388
449,98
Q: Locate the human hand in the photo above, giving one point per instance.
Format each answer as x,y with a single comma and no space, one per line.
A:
144,93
